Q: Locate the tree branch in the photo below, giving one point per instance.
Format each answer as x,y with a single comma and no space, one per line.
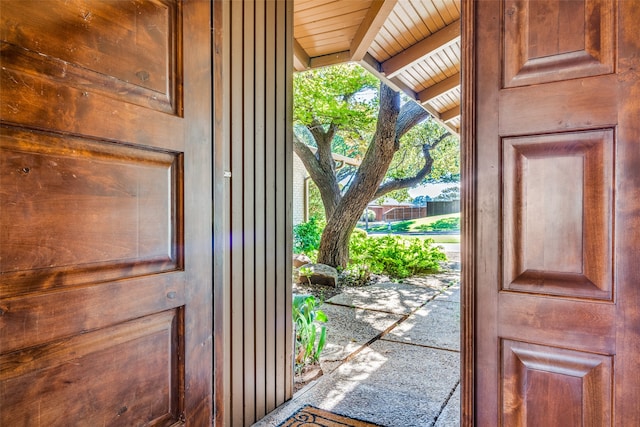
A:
410,115
306,155
398,184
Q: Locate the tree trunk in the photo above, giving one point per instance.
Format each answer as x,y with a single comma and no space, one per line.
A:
334,244
392,123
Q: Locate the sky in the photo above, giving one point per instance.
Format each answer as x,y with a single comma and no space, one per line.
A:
431,190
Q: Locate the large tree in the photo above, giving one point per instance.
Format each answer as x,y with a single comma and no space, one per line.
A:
336,106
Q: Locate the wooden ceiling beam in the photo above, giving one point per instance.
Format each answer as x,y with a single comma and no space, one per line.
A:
331,59
301,60
370,26
427,46
450,114
439,88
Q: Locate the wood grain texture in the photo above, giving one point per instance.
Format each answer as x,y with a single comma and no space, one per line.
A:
105,220
198,139
80,211
546,41
468,171
546,356
627,187
76,42
123,375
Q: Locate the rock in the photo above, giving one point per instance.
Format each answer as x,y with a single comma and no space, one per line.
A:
321,274
299,260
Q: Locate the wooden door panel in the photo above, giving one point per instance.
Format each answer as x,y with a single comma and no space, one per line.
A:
105,213
558,330
76,41
124,375
35,319
84,211
557,203
536,372
534,318
548,40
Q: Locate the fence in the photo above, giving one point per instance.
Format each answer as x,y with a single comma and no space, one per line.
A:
403,213
412,212
443,208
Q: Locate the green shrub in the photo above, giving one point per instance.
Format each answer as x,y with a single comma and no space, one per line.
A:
442,224
306,316
306,236
395,256
368,215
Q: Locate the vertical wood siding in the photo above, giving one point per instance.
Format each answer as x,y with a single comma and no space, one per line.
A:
252,209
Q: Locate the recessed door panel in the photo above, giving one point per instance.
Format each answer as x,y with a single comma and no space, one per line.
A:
557,202
124,375
125,50
547,40
551,386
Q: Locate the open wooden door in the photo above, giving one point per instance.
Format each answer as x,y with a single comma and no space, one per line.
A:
105,213
557,208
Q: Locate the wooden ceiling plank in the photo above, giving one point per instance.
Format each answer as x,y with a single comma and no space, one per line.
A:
388,41
300,5
371,24
336,41
432,44
399,29
451,114
429,73
439,88
300,58
445,10
432,16
427,16
376,50
330,24
411,22
337,8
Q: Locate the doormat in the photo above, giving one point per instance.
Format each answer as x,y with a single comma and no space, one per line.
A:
310,416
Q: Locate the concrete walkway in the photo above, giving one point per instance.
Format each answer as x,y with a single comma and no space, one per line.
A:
393,355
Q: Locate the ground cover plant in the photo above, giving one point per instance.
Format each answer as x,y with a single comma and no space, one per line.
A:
396,256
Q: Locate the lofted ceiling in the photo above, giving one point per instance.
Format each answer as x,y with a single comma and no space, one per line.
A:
412,45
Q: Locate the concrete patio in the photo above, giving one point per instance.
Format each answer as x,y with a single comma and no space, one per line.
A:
392,357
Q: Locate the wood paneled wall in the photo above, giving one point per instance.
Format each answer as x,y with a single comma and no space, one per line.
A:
252,208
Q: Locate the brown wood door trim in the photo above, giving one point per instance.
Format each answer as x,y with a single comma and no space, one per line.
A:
468,200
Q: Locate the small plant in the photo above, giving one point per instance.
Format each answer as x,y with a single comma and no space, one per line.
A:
306,316
306,237
306,272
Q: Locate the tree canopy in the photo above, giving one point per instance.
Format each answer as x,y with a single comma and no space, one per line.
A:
343,109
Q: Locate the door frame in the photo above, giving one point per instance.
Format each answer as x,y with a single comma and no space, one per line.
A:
468,195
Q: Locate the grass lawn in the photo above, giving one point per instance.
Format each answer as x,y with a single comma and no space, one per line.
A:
442,238
430,223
